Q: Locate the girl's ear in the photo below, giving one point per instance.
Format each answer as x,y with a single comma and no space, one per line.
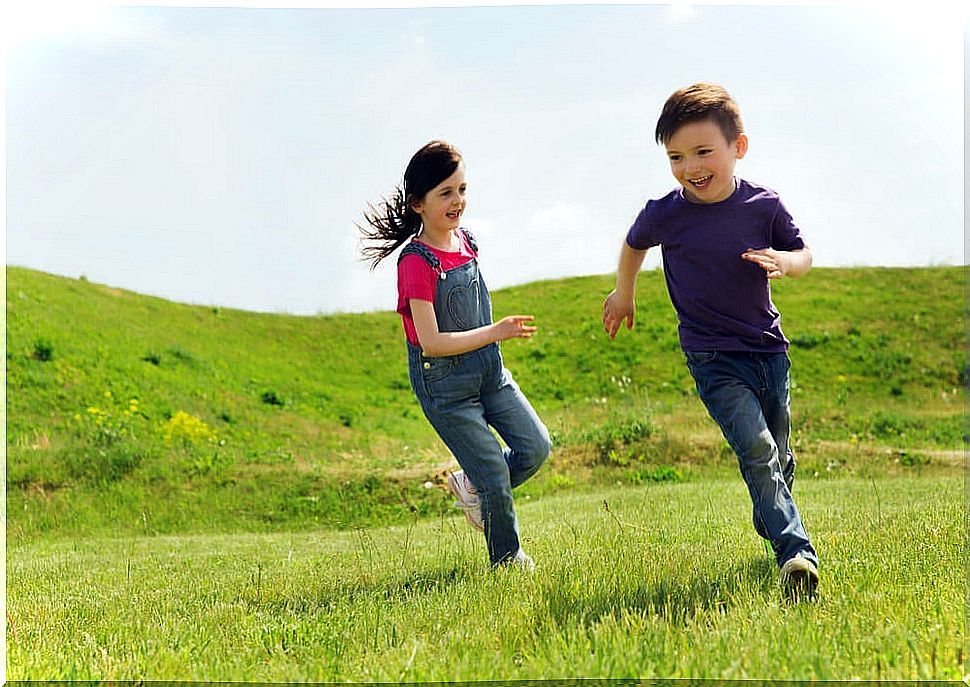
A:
741,145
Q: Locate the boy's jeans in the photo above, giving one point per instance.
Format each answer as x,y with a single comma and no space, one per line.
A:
461,395
747,394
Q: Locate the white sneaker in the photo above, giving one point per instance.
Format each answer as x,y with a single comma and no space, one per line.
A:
523,560
467,498
799,577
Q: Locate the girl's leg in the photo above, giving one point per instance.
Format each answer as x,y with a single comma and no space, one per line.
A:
510,413
481,456
449,390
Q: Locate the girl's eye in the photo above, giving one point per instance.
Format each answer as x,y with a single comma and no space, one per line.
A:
675,158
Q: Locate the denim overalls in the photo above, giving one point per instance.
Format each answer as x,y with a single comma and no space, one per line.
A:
461,395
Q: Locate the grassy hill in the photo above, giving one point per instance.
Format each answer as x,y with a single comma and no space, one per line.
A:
131,414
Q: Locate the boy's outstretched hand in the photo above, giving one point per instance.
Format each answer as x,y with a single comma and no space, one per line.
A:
780,263
616,308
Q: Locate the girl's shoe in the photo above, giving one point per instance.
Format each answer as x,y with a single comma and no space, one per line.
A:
467,498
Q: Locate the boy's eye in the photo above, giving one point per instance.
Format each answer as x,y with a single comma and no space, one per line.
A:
704,151
674,158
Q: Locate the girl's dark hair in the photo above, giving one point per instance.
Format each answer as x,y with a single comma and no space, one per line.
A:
394,221
698,102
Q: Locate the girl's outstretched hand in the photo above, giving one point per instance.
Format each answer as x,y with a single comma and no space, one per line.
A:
515,327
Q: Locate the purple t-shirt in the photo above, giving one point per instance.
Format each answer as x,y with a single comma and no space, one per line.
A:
722,301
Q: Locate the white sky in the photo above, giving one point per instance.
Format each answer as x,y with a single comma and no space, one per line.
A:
221,155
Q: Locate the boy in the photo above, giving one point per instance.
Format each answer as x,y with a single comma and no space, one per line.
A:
722,240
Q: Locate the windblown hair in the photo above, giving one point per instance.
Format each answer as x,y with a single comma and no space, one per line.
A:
696,103
394,220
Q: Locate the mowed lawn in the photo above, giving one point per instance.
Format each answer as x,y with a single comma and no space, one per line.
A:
663,580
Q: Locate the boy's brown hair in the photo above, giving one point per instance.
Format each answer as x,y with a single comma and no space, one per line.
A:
698,102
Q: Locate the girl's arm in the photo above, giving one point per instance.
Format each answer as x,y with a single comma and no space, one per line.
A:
435,343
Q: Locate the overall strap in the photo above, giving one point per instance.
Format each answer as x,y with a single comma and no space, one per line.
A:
415,248
471,240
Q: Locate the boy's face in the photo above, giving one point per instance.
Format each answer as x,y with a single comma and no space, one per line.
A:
702,160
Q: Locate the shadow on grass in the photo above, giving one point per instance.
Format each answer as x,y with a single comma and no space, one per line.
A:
676,599
387,589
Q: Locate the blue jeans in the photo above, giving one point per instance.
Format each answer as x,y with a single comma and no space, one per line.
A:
462,395
747,394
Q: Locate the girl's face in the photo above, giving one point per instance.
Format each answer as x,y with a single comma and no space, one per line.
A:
442,207
703,161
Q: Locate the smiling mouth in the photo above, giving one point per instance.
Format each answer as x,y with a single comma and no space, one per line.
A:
697,183
454,214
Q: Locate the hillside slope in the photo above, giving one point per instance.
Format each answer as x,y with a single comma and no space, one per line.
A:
132,413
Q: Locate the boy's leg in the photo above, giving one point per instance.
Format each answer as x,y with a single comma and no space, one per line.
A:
510,413
776,406
732,386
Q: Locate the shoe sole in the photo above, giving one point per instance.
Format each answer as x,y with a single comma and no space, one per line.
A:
800,583
456,492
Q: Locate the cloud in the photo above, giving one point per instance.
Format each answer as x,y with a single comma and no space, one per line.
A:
682,13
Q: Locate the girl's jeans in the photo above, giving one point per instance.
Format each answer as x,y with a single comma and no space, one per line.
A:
461,395
747,394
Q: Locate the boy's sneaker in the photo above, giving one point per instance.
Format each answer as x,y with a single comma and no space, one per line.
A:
524,561
467,498
799,578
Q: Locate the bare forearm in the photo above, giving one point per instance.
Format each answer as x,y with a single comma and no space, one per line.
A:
780,263
435,344
628,268
799,262
620,304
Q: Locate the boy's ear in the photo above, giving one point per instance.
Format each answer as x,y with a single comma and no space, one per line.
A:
741,145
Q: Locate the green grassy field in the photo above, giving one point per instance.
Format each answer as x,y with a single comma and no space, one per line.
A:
212,494
667,580
128,414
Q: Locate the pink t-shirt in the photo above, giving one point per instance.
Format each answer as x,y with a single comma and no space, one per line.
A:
417,279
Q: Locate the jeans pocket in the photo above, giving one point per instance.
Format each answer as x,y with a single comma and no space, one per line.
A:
700,357
435,369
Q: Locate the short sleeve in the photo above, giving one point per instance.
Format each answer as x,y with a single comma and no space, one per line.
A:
415,279
785,234
642,235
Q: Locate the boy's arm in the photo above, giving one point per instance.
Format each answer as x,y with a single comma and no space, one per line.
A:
620,304
781,263
435,343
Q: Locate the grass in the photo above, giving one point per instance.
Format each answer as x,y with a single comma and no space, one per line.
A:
666,580
196,493
128,414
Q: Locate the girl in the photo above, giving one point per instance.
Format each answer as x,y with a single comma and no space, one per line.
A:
454,361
